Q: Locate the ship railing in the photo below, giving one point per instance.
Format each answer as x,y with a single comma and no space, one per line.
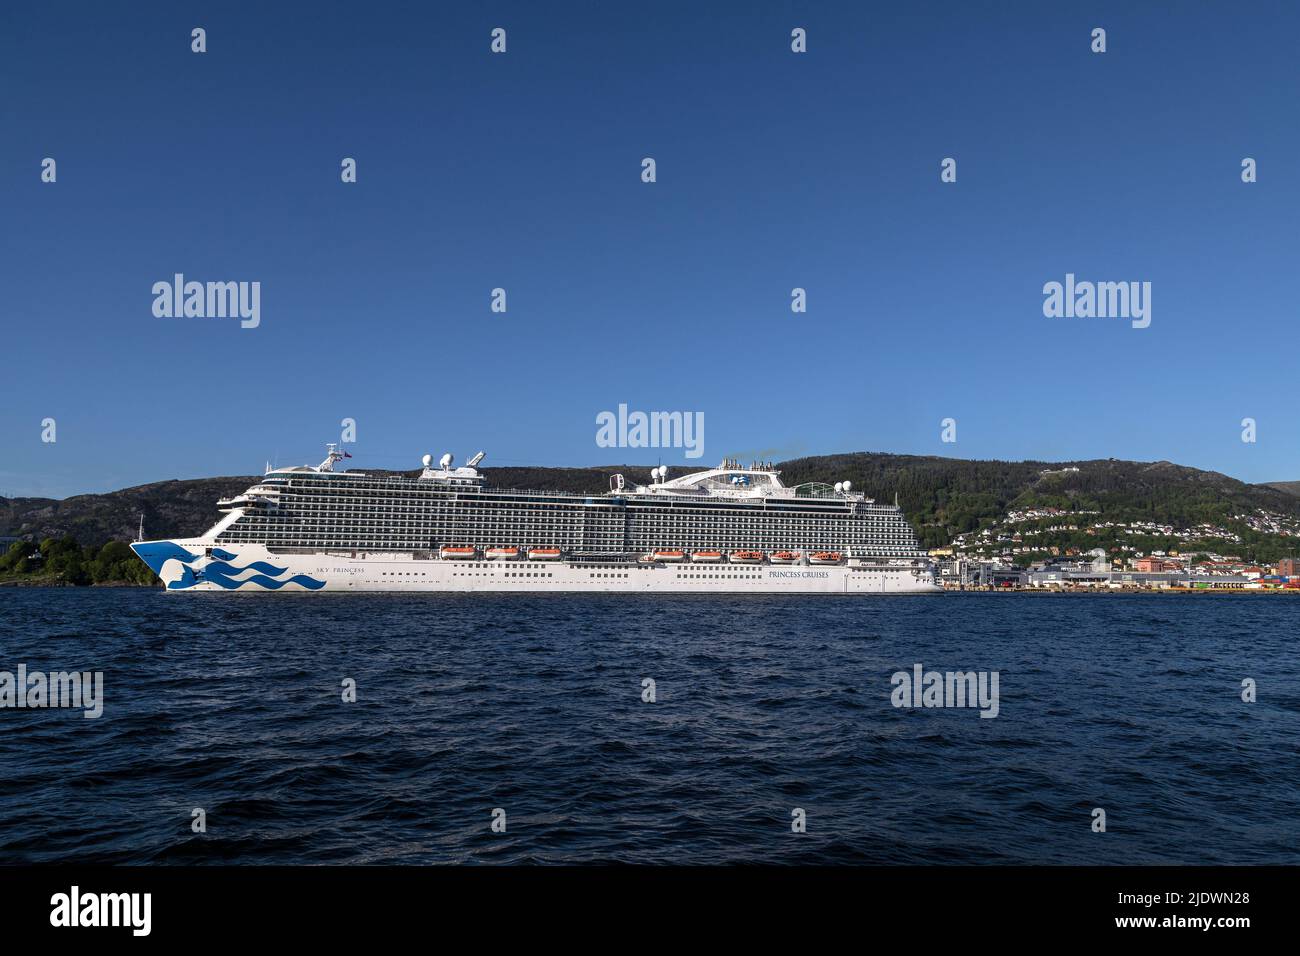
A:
604,494
332,551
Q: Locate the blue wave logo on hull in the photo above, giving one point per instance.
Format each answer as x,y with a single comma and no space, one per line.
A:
220,572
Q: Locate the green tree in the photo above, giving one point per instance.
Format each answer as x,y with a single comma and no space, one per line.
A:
19,552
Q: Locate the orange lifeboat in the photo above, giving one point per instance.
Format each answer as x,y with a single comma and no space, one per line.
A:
706,556
784,557
669,555
543,554
746,557
501,553
824,557
457,553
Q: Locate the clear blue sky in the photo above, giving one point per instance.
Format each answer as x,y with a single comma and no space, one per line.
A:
522,170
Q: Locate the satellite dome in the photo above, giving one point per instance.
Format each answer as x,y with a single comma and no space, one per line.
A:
428,460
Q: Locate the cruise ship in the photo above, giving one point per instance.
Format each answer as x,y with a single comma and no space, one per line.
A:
730,529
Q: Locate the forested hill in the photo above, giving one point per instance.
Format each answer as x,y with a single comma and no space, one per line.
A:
170,509
944,497
941,496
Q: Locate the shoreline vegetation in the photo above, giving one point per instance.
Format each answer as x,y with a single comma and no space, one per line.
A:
63,562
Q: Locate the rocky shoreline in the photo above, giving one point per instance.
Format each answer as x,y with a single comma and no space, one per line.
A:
47,583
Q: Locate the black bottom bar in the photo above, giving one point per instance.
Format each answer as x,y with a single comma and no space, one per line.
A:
944,905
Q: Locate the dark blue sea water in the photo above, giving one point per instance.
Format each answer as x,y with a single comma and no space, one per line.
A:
534,705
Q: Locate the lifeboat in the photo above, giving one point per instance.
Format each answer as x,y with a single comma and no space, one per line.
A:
501,553
746,557
784,557
706,556
543,554
668,555
457,554
824,557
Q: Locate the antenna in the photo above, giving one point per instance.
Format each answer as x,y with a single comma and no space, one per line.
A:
332,454
140,537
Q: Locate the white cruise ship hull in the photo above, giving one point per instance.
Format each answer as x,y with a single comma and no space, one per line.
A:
201,565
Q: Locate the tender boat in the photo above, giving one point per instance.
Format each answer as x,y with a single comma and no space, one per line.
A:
501,553
824,557
706,556
784,557
746,557
543,554
668,555
457,553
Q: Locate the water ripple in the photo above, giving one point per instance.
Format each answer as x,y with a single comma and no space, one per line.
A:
763,707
